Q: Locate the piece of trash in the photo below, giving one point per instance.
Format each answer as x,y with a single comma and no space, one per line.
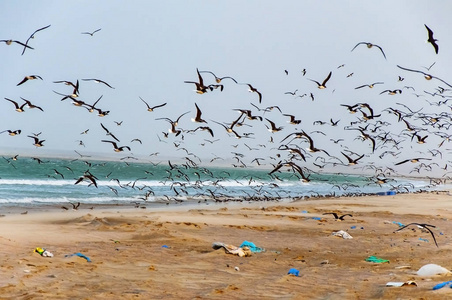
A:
343,234
422,239
377,260
237,268
432,270
165,246
317,218
304,211
443,284
399,284
231,249
251,246
398,223
43,252
79,255
294,272
353,227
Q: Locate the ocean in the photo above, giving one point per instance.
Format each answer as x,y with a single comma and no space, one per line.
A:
29,182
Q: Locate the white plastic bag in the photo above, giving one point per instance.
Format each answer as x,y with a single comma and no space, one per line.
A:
432,270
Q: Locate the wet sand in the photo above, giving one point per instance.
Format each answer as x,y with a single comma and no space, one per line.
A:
129,262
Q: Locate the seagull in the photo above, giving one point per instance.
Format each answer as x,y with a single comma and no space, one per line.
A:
426,76
370,45
198,119
200,87
89,177
351,161
98,81
29,77
252,89
413,160
30,105
108,132
392,92
153,107
293,120
218,79
273,127
9,42
18,108
368,85
432,40
323,85
341,218
32,36
12,132
92,33
37,142
424,226
116,148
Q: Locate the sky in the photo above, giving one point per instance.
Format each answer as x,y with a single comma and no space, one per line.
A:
149,49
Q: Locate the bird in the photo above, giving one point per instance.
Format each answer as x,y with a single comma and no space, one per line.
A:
32,36
29,77
18,108
75,86
219,79
424,226
351,161
98,81
252,89
392,92
368,85
108,132
200,87
153,107
87,176
413,160
432,40
37,142
198,119
92,33
293,120
273,127
336,217
30,105
370,45
115,146
426,76
12,132
323,85
9,42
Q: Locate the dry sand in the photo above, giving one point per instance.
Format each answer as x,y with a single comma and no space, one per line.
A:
129,262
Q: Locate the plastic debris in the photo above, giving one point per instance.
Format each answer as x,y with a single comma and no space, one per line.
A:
398,223
443,284
165,246
231,249
377,260
343,234
43,252
294,272
251,246
425,240
317,218
79,255
432,270
399,284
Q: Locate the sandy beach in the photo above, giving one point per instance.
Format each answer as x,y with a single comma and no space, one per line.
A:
166,253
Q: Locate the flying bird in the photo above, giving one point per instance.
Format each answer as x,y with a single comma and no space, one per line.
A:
323,85
153,107
336,217
29,77
115,146
92,33
424,226
370,45
432,40
218,79
198,119
37,142
18,108
32,36
426,76
368,85
98,81
9,42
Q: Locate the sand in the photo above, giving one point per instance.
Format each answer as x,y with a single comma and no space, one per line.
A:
157,253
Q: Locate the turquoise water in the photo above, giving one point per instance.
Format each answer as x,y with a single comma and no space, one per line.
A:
27,181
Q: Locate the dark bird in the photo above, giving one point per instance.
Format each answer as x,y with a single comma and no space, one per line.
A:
200,87
323,85
12,132
29,77
37,142
115,146
370,45
424,226
108,132
18,108
336,217
87,176
368,85
32,36
92,33
75,86
351,161
218,79
426,76
311,145
98,81
9,42
413,160
293,120
198,118
273,127
252,89
30,105
75,206
432,40
151,108
205,128
392,92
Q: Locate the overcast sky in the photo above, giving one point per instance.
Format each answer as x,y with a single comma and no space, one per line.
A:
148,49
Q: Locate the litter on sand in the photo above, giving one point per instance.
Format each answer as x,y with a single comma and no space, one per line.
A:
231,249
442,284
251,246
432,270
43,252
343,234
377,260
79,255
399,284
294,272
